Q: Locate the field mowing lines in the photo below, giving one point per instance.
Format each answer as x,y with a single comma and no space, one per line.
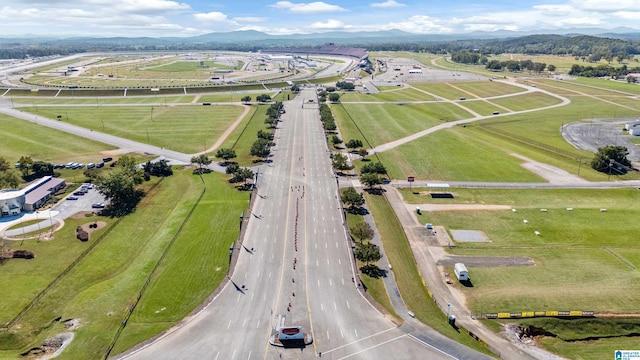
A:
594,97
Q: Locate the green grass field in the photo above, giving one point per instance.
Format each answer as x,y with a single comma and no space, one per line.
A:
398,94
22,138
102,286
469,90
187,129
455,154
387,122
585,259
245,134
101,100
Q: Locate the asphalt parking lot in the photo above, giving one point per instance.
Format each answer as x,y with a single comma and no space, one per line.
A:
66,208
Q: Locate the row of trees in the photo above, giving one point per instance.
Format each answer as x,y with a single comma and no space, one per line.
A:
517,66
366,252
328,122
602,71
27,169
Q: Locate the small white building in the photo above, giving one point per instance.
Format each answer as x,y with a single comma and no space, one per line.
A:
633,128
461,272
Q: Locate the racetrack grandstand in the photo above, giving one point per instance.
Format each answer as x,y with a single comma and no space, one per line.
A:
359,53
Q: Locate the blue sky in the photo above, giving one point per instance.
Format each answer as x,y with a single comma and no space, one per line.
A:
194,17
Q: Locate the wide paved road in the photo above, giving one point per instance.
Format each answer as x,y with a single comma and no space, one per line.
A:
296,220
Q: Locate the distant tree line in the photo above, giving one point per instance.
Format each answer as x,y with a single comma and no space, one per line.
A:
603,71
589,48
518,65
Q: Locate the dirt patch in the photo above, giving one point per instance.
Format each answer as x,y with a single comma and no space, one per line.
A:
457,207
550,173
51,348
470,236
486,261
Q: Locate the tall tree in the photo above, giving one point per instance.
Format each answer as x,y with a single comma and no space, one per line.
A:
42,168
362,231
339,162
24,164
368,253
119,187
130,167
351,198
260,148
353,144
226,154
246,99
370,180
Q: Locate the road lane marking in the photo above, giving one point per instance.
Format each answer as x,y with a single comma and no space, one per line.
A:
259,271
322,307
372,347
244,323
269,274
341,334
339,262
342,281
363,339
234,354
356,331
229,325
330,282
249,357
217,354
327,261
326,246
317,263
327,334
258,324
335,307
348,306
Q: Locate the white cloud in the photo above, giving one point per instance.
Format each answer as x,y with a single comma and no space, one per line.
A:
388,4
250,19
211,16
418,24
627,15
149,6
606,5
307,8
328,25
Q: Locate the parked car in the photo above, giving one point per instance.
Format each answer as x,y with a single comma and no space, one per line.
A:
107,159
97,205
100,164
72,198
79,193
91,165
